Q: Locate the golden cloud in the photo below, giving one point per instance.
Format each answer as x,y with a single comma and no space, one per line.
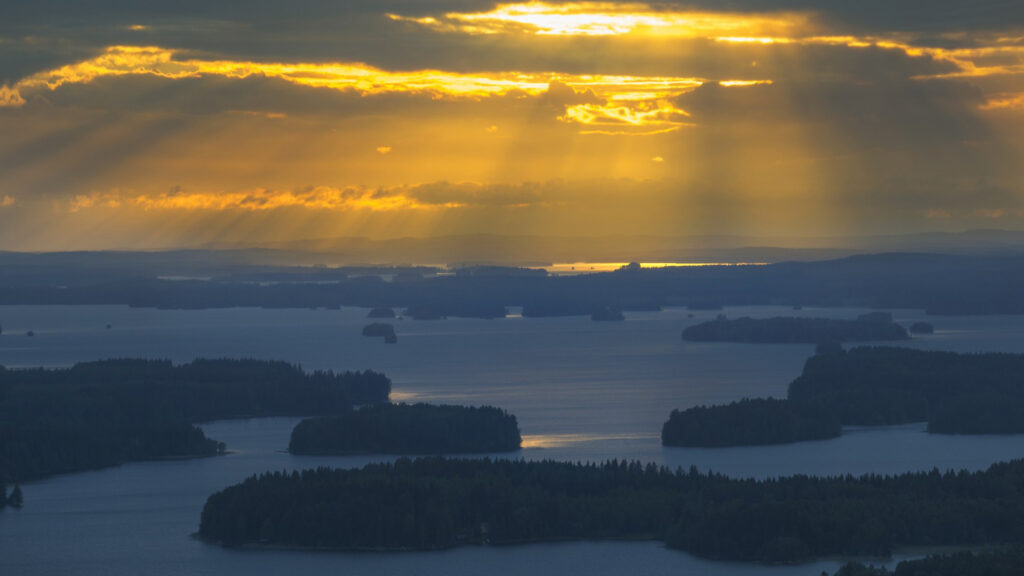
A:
1005,101
997,55
628,100
10,96
633,114
259,200
611,19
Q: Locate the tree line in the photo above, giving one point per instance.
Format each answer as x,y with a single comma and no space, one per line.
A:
436,502
98,414
868,386
955,393
1000,562
408,429
748,422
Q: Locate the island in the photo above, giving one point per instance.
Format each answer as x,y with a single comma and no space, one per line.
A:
789,330
381,330
104,413
868,386
884,385
922,328
436,503
749,422
408,429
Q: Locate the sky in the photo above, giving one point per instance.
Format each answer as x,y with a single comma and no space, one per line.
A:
150,124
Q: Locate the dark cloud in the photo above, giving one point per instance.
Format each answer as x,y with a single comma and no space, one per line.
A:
358,30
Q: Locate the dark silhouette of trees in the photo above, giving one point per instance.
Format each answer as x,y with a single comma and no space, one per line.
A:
748,422
954,393
969,414
922,328
1002,562
439,503
104,413
408,429
879,385
381,330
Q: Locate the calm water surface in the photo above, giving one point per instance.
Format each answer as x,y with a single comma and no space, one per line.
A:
581,390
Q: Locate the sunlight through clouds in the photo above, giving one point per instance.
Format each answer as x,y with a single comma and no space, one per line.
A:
627,100
610,19
371,117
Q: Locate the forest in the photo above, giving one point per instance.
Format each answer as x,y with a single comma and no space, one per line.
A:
408,429
434,502
787,330
959,393
999,562
868,386
104,413
748,422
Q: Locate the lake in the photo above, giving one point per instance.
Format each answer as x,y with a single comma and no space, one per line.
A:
581,390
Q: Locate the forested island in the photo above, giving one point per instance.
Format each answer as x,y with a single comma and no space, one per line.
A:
408,429
785,330
748,422
869,386
922,328
381,330
955,393
999,562
433,503
104,413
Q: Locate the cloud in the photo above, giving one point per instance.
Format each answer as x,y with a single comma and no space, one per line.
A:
10,97
607,19
384,150
775,115
592,100
259,200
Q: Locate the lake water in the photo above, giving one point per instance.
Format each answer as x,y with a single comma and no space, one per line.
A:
581,390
